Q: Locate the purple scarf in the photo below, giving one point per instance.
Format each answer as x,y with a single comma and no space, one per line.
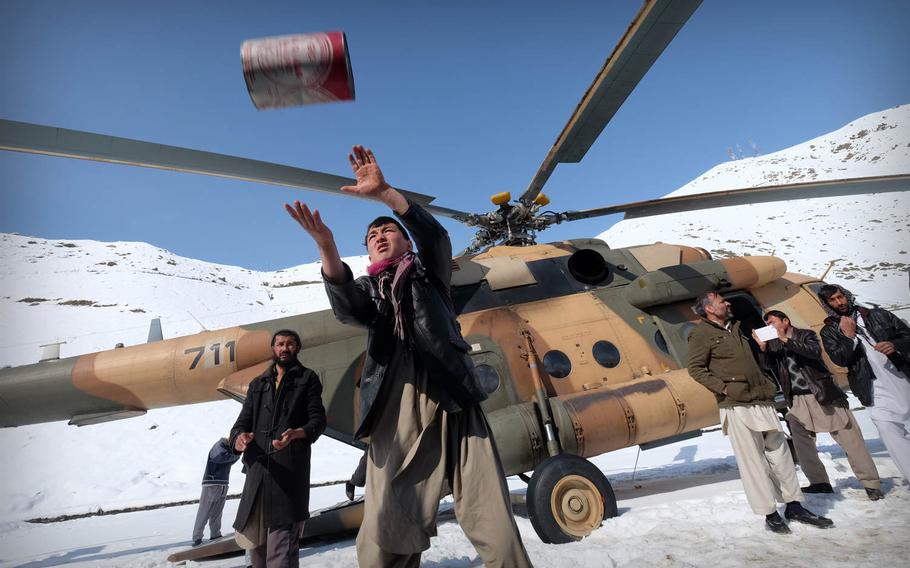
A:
402,268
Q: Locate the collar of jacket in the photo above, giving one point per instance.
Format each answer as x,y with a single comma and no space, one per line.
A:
733,324
270,373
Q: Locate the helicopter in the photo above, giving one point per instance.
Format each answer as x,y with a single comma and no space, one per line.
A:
609,326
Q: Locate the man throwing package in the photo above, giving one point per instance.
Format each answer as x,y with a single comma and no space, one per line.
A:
874,345
419,398
816,405
721,359
281,418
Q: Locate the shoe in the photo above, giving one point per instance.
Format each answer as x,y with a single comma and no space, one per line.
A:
197,542
874,494
214,537
796,512
776,524
349,490
817,488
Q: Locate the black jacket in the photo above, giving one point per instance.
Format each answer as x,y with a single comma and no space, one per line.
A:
218,465
806,349
439,345
281,478
883,326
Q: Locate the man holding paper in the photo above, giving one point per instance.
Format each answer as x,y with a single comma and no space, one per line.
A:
816,404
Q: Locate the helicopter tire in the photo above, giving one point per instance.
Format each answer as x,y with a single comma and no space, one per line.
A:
567,499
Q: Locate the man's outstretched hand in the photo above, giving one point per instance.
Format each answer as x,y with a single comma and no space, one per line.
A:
311,223
370,181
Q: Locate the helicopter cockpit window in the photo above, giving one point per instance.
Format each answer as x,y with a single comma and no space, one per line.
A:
588,266
557,364
606,354
661,342
488,377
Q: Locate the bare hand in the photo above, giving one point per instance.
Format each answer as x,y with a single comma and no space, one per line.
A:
311,223
885,347
370,181
286,437
242,441
848,326
761,344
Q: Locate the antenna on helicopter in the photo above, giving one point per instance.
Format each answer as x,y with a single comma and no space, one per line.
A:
830,266
197,321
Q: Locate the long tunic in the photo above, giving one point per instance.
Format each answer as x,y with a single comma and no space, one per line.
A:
406,468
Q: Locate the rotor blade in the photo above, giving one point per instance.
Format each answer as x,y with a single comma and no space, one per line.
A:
648,35
37,139
767,194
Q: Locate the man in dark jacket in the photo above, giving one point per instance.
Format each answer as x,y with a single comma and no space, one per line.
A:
721,359
214,490
419,398
816,405
874,345
282,416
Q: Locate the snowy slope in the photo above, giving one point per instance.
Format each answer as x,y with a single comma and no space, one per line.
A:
870,234
92,295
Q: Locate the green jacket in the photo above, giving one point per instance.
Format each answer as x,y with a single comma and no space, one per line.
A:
721,359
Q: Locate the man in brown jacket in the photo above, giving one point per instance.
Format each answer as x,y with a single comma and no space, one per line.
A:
721,359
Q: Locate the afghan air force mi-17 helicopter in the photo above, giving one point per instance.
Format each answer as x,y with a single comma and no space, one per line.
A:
608,326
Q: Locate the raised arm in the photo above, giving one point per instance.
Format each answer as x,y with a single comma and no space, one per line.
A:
371,182
332,266
432,240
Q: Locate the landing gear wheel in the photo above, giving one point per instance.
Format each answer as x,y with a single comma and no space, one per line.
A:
568,498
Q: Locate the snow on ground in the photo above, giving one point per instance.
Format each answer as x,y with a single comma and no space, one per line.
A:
684,506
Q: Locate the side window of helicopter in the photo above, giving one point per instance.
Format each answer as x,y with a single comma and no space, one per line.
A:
488,377
557,364
606,354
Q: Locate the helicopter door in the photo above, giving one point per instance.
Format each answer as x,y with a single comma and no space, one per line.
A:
492,372
746,310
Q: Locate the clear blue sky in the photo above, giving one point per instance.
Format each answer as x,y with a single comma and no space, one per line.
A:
459,100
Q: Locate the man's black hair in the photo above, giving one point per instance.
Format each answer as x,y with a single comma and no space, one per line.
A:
385,220
286,333
776,313
828,290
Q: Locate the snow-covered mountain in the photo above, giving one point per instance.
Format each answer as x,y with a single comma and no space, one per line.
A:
92,295
868,236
